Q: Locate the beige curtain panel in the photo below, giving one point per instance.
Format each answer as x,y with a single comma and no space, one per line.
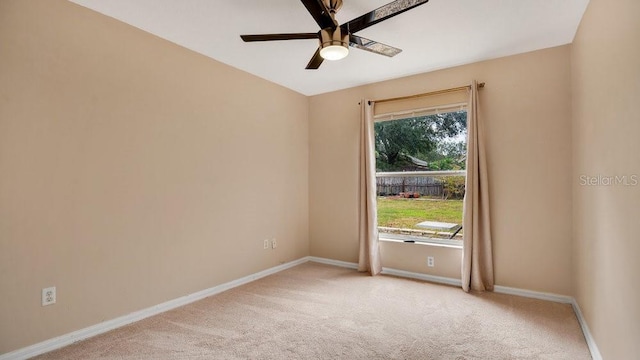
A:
477,258
369,257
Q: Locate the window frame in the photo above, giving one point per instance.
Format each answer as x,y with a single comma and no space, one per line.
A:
406,114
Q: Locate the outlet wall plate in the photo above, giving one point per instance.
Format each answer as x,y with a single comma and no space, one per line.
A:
266,244
430,261
49,296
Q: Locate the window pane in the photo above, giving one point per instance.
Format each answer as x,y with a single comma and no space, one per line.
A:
433,142
421,206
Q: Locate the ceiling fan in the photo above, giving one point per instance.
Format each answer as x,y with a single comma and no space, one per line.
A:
334,38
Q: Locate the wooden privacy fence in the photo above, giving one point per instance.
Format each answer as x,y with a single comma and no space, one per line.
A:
425,185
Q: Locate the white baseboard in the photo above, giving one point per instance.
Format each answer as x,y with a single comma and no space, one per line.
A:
67,339
82,334
425,277
389,271
339,263
533,294
593,348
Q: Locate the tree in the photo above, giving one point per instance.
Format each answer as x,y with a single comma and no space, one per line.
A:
429,138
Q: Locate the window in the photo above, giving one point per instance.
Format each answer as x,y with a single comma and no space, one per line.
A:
420,174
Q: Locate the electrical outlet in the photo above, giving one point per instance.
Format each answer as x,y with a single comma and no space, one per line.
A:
266,243
274,244
49,296
430,261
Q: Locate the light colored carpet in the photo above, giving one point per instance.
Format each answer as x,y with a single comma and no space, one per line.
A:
316,311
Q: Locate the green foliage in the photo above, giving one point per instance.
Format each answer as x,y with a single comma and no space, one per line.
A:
454,187
408,136
443,164
431,139
401,163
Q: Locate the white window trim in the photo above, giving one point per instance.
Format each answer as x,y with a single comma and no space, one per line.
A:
416,240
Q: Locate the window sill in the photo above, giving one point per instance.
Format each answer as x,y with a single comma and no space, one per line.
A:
416,240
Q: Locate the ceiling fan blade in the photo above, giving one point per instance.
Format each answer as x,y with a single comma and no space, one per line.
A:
373,46
315,61
380,14
273,37
318,9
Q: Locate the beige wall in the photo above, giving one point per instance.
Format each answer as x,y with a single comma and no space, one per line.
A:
526,106
606,127
133,171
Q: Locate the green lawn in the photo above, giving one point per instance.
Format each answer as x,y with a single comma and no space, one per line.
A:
406,213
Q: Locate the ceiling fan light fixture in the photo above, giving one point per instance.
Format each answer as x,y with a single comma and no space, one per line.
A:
334,52
333,45
335,39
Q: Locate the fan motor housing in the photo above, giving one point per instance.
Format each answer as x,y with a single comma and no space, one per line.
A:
333,37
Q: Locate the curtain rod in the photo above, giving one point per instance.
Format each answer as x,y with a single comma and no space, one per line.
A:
437,92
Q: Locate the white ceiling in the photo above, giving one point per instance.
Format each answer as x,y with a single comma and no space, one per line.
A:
437,35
